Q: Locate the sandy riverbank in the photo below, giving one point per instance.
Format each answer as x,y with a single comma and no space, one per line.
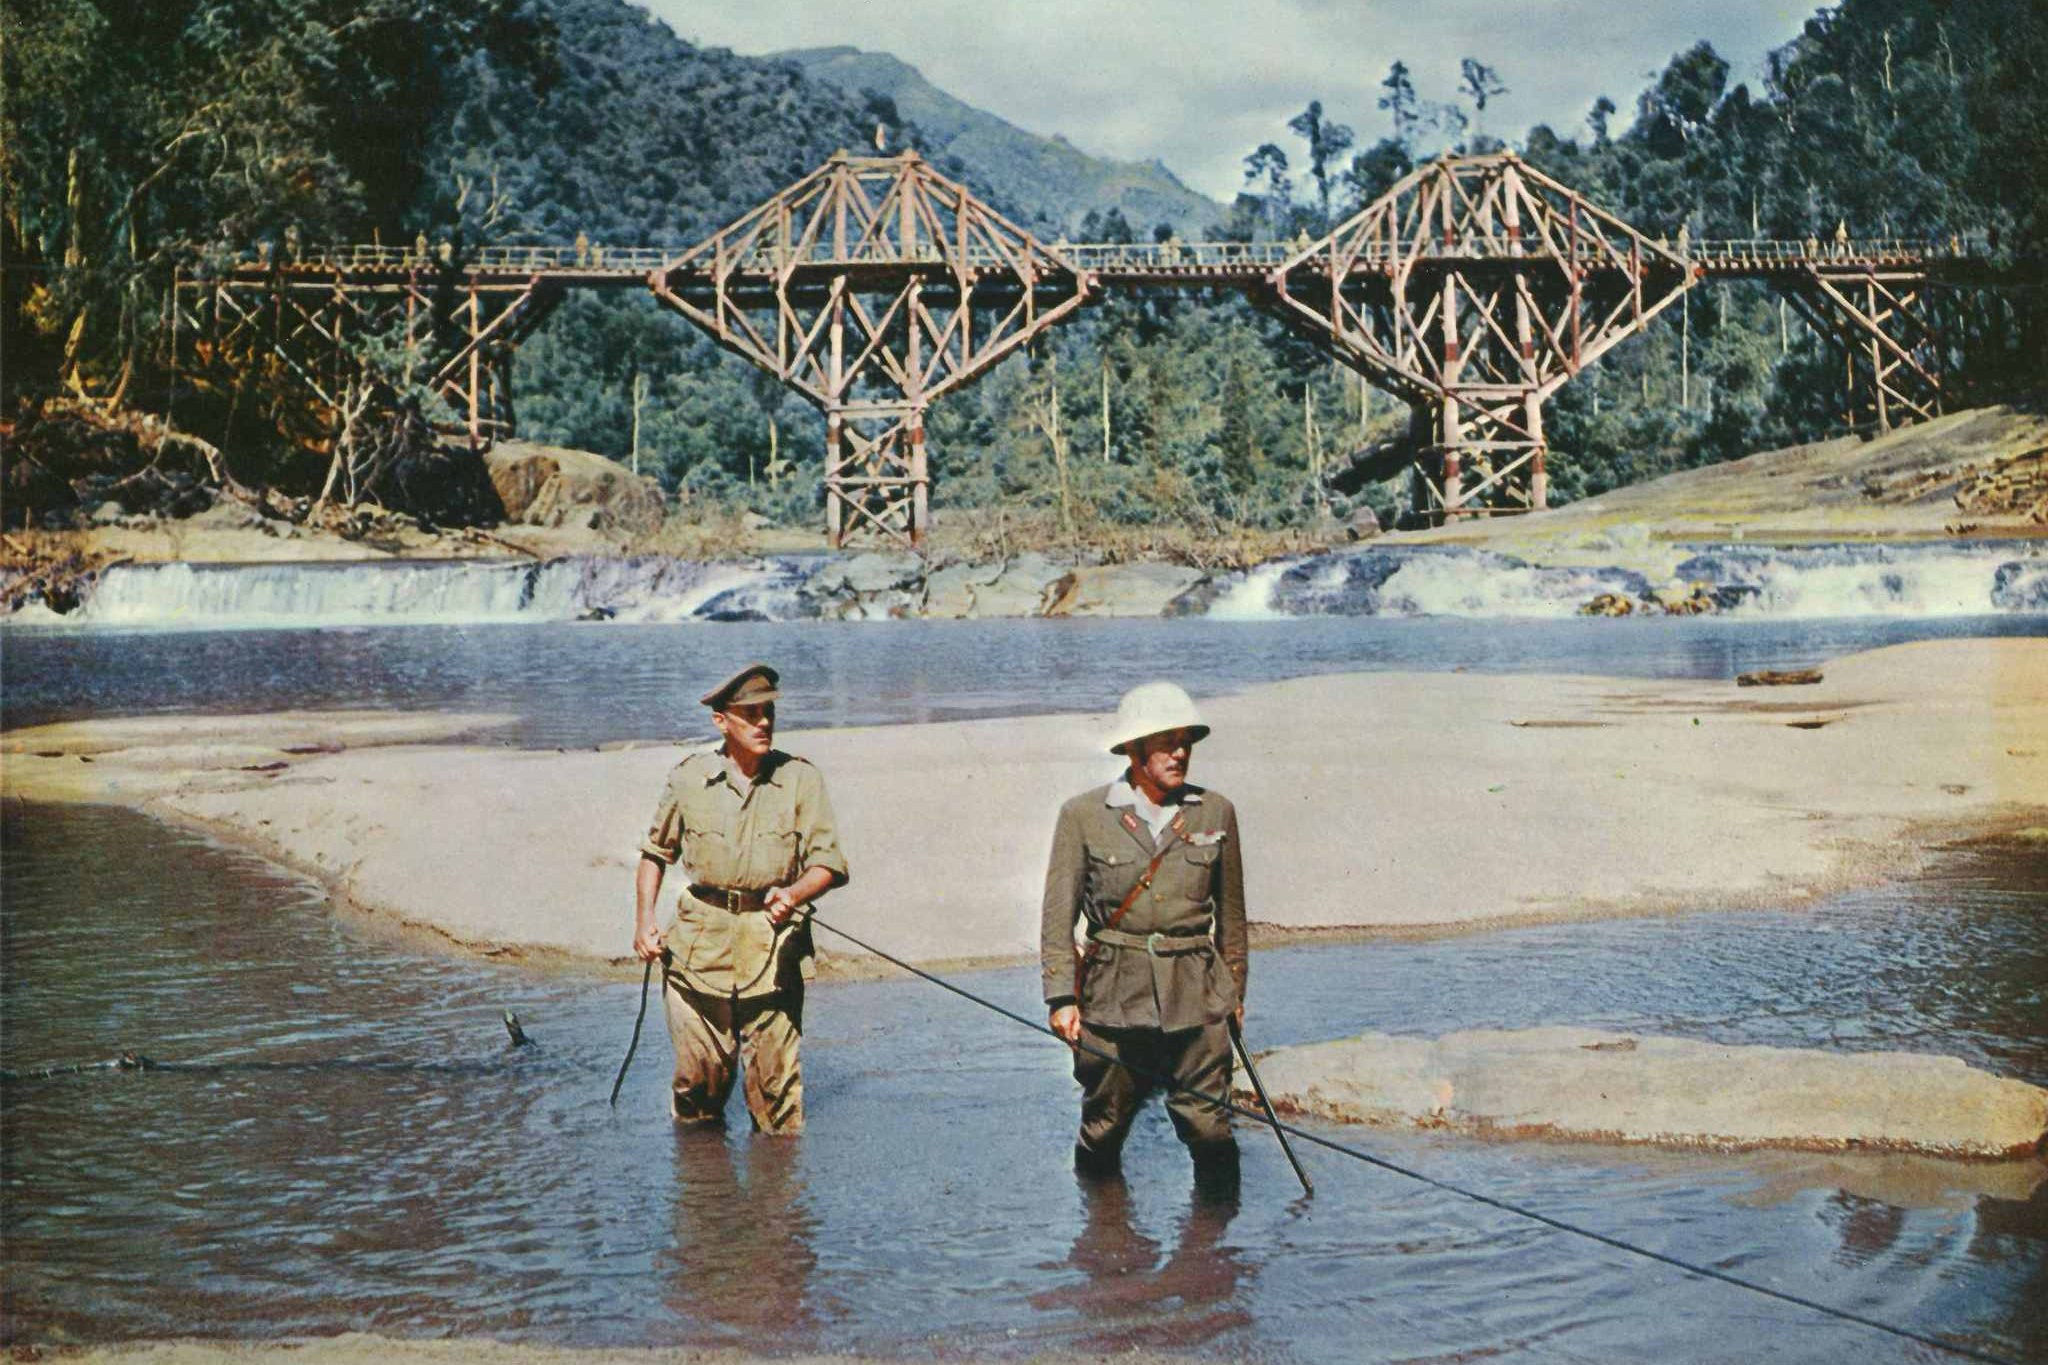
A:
1371,803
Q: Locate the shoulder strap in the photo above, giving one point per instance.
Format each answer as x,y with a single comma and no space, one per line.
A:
1178,828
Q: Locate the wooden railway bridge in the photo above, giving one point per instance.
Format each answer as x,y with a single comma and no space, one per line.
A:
1472,290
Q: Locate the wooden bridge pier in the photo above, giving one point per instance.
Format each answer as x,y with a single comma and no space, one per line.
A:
340,314
1473,290
873,287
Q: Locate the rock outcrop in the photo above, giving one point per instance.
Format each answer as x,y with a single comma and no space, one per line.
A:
552,486
1140,589
1566,1083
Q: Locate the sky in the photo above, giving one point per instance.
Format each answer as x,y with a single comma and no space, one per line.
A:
1198,84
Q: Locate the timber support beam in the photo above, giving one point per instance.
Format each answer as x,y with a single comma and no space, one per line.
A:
872,287
1473,290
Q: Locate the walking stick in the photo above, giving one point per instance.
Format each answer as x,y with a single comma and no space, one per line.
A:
646,976
1237,1038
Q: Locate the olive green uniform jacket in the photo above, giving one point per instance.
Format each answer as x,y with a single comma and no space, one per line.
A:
765,837
1195,901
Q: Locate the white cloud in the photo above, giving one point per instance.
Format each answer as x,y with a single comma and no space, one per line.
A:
1200,83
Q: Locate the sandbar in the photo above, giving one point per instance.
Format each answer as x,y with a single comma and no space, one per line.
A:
1371,803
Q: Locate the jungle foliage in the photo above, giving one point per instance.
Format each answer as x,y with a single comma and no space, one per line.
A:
141,138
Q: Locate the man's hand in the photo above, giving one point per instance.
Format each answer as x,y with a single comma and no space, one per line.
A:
1066,1022
646,941
780,903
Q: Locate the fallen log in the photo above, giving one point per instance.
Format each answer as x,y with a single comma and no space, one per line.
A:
1772,677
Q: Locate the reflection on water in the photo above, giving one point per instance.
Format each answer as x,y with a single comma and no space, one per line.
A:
1129,1291
739,1261
442,1183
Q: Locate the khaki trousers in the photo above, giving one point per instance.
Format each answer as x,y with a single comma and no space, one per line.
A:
716,1036
1111,1094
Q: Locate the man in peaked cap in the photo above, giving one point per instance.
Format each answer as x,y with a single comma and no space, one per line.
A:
1152,866
754,831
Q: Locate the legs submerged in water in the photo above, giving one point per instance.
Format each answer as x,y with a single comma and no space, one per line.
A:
1216,1170
1112,1091
714,1035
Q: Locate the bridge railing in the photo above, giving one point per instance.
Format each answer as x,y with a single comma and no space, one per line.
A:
1171,256
1773,251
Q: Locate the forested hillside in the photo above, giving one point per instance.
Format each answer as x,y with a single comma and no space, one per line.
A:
135,140
1052,179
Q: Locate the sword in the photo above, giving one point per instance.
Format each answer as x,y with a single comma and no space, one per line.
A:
1237,1039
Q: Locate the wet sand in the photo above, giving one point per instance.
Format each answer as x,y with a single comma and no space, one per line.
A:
1371,803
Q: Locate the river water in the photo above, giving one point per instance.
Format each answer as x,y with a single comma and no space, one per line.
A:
348,1142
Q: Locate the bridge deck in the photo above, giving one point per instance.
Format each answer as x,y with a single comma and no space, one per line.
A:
1151,263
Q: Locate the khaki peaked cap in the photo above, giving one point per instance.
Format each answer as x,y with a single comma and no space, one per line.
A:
752,684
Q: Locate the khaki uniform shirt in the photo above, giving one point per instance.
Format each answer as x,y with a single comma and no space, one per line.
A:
768,836
1197,893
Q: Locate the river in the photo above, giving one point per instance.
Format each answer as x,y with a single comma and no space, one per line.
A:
353,1146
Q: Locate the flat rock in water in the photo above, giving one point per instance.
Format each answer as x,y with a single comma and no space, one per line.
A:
1140,589
1578,1084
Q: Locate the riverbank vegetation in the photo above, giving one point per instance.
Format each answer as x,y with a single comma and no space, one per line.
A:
146,144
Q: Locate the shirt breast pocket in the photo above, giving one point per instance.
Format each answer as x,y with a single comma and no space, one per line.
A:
778,849
1110,874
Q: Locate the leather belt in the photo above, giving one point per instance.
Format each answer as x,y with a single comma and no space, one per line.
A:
729,898
1157,945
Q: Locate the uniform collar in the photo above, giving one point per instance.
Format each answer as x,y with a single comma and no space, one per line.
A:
771,764
1122,793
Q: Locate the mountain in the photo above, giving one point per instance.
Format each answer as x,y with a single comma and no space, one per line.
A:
1055,179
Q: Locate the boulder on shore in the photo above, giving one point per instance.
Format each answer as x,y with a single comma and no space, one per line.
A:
1567,1083
554,486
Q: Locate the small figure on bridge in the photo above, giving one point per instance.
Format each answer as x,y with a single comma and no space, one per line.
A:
1151,866
597,256
583,248
754,830
1684,239
1841,237
263,252
881,138
291,242
447,252
1812,247
419,249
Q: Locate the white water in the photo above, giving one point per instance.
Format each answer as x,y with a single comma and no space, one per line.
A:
1784,584
1252,599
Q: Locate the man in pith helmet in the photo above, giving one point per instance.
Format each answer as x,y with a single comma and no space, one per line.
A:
1152,866
754,831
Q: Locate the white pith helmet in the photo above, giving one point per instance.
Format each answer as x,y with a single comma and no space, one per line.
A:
1151,707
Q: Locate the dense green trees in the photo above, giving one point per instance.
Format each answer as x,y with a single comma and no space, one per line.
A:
135,139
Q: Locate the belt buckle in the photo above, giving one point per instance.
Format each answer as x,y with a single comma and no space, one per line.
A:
1152,943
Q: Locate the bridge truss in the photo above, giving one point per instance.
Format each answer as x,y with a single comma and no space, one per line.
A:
337,319
872,287
1473,290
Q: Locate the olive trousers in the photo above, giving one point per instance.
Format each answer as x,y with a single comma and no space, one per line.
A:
1113,1092
717,1037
